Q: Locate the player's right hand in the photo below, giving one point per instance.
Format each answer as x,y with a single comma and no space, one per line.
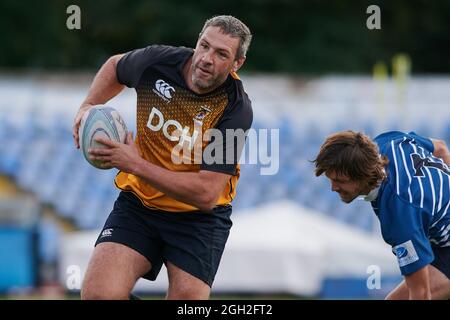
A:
77,122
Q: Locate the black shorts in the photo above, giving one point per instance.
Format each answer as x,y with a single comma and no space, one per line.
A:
442,259
192,241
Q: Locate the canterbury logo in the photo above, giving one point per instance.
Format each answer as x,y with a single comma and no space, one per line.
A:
107,232
163,89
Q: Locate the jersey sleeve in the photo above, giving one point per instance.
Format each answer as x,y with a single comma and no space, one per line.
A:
133,64
224,150
404,228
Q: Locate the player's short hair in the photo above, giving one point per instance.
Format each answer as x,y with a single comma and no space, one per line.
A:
354,155
234,28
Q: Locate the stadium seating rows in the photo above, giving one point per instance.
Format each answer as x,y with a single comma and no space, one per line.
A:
37,152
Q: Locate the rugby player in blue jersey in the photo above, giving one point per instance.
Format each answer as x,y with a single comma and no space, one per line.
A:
406,178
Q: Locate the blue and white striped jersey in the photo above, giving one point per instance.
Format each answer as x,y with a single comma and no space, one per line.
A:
413,202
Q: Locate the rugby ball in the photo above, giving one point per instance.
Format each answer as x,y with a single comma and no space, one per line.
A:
100,121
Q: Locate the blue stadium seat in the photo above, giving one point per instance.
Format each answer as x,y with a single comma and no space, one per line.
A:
35,164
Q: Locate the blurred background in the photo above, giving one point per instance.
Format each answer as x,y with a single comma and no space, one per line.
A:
314,68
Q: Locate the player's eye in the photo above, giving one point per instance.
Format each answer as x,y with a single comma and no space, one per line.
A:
223,55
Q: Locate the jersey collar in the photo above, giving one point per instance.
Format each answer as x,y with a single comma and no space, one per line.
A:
372,195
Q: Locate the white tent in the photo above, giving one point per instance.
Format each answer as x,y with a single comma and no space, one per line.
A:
288,248
281,247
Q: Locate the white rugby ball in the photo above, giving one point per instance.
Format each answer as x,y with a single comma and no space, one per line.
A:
100,121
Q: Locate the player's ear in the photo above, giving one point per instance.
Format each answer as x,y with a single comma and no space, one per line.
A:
237,64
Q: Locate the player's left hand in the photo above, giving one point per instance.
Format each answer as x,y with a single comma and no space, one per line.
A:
123,156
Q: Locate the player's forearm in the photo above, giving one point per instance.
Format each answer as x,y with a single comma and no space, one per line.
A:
105,84
422,293
445,157
441,150
418,284
187,187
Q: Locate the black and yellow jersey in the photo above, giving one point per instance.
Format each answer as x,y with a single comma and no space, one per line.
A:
172,121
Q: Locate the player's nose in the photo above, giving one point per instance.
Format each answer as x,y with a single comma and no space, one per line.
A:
206,58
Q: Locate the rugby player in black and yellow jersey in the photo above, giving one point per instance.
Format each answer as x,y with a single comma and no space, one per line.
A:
171,210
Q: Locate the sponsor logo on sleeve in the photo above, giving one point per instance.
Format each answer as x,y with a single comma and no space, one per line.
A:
406,253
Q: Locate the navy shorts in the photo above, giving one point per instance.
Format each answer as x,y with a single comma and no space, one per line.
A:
192,241
442,259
